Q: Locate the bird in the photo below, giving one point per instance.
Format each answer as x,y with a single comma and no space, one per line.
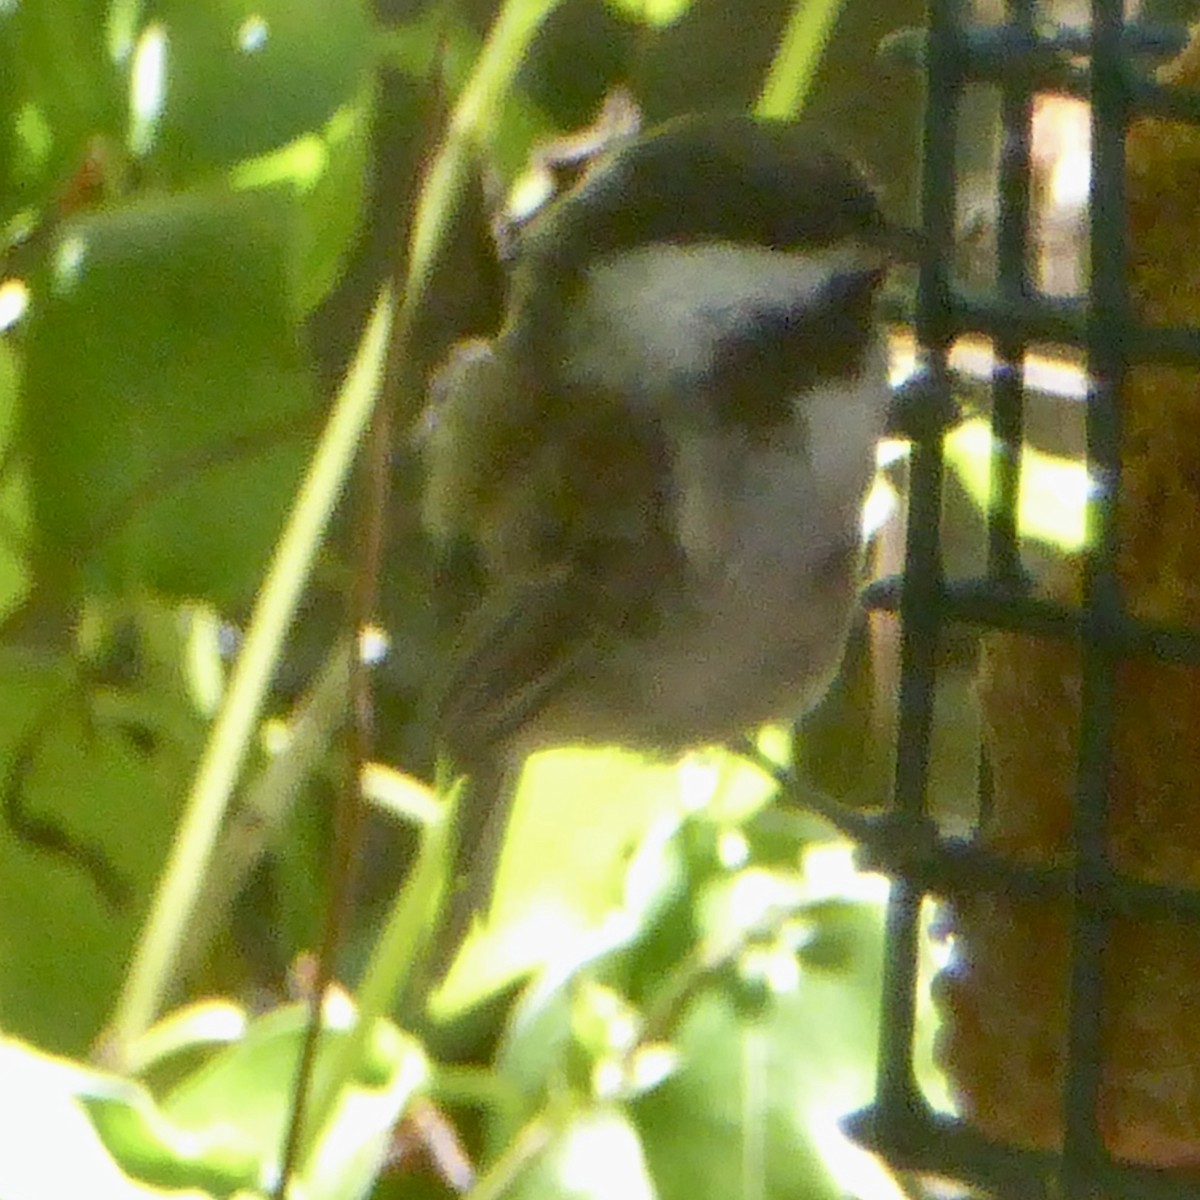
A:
645,491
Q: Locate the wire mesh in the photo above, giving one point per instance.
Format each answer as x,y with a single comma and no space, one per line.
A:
1107,63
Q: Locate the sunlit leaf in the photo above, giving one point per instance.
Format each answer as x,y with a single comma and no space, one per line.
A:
745,904
656,13
754,1105
597,1156
48,1147
1052,505
223,1126
204,1023
576,819
219,1159
327,169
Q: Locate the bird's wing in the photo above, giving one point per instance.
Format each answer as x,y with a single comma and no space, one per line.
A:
574,562
523,642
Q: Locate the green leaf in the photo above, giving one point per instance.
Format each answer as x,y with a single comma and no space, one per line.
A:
48,1147
328,170
754,1105
332,208
166,396
152,1150
62,79
597,1155
93,771
834,936
247,76
202,1024
586,859
10,107
562,872
250,1086
221,1128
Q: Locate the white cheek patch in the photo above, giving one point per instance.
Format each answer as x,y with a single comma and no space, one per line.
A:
842,419
649,319
761,513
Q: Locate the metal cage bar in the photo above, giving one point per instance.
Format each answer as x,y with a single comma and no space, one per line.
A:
1013,290
1022,58
930,392
1108,320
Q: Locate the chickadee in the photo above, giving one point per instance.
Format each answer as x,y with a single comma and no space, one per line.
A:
658,465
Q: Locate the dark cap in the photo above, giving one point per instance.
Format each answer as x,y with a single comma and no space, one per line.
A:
706,178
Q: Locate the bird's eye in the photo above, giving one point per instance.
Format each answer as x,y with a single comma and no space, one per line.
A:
772,354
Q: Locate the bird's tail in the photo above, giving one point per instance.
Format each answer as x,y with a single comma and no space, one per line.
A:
481,821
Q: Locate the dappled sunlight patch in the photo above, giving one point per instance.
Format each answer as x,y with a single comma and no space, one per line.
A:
148,87
1054,490
252,34
14,300
68,265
